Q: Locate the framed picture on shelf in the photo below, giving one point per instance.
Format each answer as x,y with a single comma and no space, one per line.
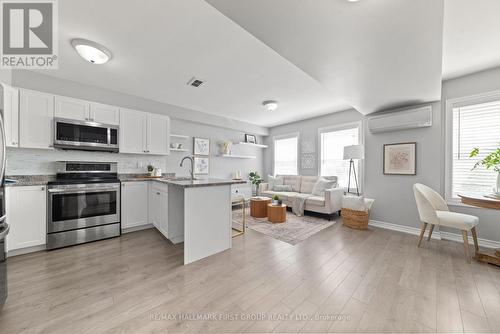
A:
201,146
250,139
400,159
201,165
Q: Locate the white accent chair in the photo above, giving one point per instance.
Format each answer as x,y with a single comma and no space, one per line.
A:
433,210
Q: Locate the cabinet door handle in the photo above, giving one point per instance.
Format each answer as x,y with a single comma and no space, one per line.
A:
157,193
43,188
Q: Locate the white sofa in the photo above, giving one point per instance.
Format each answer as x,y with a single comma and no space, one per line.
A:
329,204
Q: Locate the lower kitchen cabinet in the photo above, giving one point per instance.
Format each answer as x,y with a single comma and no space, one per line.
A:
134,204
26,208
158,207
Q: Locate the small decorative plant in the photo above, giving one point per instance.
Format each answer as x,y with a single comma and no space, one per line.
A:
256,180
492,160
276,199
151,168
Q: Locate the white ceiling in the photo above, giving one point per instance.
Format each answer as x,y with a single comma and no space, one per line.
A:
374,54
159,45
314,57
471,36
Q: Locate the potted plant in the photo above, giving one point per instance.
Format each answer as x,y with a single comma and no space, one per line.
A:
256,180
276,199
151,169
492,160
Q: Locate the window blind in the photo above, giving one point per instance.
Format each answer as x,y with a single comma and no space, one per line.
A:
332,154
285,156
474,126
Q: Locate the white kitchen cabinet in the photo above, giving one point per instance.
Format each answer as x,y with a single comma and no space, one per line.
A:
26,208
11,115
158,134
158,207
67,107
103,113
132,131
142,132
36,117
134,203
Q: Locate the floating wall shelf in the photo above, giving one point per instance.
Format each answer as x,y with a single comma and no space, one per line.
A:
238,156
179,149
179,136
250,144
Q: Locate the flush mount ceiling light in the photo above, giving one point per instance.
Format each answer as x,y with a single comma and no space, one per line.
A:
270,105
91,51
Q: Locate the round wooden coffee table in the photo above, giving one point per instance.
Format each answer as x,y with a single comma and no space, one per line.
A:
276,213
258,206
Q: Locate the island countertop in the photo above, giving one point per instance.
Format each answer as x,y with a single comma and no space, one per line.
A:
202,182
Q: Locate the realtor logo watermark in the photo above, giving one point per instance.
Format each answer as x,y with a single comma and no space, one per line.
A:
29,34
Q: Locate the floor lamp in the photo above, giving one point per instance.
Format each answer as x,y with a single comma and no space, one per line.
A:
350,153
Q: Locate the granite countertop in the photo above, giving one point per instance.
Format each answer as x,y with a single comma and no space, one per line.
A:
167,178
28,180
203,182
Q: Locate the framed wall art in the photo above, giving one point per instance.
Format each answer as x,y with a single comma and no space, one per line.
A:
201,146
400,159
201,165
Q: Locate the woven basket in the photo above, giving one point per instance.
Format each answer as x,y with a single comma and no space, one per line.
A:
355,219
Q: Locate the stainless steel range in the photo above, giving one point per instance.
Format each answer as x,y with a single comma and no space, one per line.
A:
83,204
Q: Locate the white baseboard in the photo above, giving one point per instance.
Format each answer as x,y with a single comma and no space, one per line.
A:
435,235
26,250
137,228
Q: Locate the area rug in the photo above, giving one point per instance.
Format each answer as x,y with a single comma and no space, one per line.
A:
293,231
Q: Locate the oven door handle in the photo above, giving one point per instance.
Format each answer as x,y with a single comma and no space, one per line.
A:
81,191
4,233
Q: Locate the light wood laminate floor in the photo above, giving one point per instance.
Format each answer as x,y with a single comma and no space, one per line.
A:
340,280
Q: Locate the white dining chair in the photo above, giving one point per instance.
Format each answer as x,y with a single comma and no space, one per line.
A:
433,210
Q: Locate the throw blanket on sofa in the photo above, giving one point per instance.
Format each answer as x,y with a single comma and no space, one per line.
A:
299,203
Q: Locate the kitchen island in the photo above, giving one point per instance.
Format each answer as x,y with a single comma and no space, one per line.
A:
199,215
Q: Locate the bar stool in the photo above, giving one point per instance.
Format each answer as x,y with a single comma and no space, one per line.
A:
239,200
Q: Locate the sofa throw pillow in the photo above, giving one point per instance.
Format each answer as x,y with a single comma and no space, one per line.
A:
274,181
283,187
356,203
321,185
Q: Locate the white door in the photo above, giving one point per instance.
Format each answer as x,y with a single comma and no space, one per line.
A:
26,208
36,118
103,113
11,115
158,134
134,204
67,107
132,131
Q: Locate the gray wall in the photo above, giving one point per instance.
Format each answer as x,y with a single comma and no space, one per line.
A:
31,161
394,201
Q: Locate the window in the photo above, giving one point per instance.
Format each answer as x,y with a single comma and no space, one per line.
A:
285,155
476,125
332,163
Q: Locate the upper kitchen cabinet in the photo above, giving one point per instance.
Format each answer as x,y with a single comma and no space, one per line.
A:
158,134
142,132
11,115
132,131
67,107
36,117
103,113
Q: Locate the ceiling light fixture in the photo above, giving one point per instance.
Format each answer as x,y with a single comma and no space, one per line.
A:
91,51
270,105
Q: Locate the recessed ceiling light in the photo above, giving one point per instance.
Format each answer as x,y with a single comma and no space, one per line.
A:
352,0
270,105
91,51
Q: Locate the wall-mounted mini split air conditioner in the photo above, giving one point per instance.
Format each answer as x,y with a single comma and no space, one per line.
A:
402,120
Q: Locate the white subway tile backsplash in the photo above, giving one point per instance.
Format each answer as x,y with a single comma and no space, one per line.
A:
22,161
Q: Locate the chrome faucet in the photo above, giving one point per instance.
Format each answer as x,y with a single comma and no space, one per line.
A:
191,171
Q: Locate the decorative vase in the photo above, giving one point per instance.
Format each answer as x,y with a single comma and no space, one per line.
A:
275,202
255,190
226,148
498,184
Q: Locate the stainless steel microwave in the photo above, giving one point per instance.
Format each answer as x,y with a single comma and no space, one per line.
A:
85,135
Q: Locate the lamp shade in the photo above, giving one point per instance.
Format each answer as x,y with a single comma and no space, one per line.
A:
354,152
